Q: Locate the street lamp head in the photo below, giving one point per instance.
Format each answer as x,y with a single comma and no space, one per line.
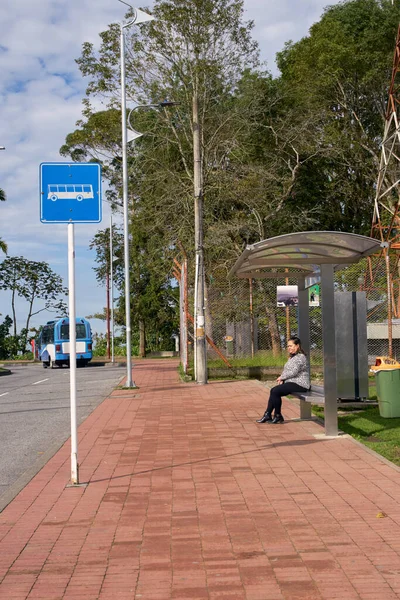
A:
163,104
138,15
167,103
2,147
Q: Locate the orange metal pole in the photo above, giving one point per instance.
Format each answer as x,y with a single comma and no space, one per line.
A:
217,350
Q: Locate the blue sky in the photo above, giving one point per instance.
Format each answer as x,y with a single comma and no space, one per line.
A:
41,91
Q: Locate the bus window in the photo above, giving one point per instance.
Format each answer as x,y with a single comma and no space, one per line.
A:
80,332
48,335
87,189
64,332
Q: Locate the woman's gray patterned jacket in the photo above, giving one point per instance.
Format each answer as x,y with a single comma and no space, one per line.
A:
296,371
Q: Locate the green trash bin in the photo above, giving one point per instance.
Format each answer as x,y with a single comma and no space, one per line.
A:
388,392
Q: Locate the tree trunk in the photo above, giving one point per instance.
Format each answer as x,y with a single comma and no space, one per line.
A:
142,339
273,330
28,320
208,315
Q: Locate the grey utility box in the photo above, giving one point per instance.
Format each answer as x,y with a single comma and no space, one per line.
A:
351,345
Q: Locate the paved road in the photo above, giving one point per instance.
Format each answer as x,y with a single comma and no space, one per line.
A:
35,417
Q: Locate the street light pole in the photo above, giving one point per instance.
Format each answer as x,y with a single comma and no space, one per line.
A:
199,300
129,380
139,17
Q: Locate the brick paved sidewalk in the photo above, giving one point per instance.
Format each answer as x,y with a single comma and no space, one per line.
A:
189,498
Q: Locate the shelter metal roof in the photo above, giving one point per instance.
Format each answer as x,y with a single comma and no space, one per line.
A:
301,253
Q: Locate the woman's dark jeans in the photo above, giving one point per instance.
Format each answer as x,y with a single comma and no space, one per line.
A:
276,393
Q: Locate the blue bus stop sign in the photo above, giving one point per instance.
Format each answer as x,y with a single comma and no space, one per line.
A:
70,193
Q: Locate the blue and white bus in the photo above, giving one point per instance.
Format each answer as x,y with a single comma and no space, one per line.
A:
54,345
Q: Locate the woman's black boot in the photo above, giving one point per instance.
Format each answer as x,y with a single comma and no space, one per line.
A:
266,417
277,419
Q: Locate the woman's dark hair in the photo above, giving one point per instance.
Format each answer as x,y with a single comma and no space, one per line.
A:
297,341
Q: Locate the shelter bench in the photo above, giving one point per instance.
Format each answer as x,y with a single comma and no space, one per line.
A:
315,395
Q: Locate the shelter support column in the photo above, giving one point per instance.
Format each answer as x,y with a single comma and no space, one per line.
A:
329,346
304,335
304,317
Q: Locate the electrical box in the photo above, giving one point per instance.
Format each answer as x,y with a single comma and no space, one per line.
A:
351,345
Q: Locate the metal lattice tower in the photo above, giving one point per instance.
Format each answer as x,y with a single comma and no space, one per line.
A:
386,217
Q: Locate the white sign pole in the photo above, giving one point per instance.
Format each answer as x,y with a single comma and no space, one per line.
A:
72,354
112,289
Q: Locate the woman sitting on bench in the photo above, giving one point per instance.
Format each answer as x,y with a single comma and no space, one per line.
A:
294,378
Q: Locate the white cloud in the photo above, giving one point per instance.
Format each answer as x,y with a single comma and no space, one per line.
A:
41,90
277,31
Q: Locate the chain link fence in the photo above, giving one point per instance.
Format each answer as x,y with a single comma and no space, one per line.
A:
246,324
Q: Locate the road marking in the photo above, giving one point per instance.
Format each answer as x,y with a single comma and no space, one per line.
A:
41,381
5,394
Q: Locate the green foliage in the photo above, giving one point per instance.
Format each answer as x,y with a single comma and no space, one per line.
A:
196,47
261,359
100,345
24,356
153,298
5,338
101,244
182,375
32,281
12,346
292,153
339,75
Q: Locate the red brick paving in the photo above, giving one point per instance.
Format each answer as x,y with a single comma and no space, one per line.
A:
188,498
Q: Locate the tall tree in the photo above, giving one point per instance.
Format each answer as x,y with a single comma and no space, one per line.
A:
197,47
101,244
340,73
33,281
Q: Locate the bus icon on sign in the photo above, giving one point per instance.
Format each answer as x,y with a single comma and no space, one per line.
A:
69,192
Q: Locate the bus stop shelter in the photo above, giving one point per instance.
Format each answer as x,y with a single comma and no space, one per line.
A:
306,256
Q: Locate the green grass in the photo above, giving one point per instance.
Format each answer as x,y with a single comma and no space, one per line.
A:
263,358
260,360
367,426
126,387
